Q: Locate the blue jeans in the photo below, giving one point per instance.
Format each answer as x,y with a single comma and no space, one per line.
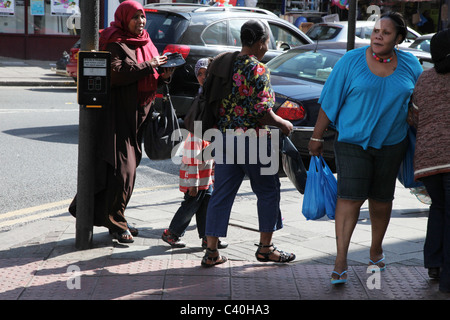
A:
437,241
228,178
191,205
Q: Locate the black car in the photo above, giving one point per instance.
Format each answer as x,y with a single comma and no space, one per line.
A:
298,76
200,31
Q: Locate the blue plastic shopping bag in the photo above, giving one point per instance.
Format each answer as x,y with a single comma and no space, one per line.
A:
406,171
313,207
330,190
320,191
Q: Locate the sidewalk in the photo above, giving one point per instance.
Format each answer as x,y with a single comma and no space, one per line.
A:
17,72
39,260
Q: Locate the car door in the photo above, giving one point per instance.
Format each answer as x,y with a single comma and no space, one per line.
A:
283,37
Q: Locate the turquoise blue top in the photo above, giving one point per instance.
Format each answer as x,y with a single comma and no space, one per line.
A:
366,109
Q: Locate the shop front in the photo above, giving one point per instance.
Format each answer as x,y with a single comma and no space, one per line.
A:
39,29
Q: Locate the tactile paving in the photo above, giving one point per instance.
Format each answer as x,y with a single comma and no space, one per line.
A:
56,288
143,267
194,286
270,288
397,283
125,287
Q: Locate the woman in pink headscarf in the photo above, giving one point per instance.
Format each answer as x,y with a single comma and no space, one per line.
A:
134,80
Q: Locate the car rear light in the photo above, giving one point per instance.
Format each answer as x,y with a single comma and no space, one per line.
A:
291,111
74,54
182,49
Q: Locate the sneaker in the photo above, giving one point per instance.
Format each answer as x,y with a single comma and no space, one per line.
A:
172,239
220,245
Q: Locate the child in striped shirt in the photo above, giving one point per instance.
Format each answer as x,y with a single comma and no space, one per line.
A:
196,182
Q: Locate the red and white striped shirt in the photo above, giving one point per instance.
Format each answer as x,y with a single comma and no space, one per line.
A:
194,172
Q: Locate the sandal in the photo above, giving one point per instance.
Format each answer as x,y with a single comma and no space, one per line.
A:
123,236
284,256
376,267
134,231
215,260
339,279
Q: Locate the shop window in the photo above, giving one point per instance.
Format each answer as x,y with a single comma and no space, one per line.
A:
53,17
43,17
12,17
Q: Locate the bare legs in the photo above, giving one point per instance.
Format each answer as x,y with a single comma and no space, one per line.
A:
347,214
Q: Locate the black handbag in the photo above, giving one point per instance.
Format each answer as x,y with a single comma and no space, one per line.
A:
200,115
161,127
293,164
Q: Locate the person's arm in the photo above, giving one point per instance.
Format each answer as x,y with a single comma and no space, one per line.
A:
315,145
271,119
125,70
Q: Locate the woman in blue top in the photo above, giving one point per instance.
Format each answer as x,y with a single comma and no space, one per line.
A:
366,97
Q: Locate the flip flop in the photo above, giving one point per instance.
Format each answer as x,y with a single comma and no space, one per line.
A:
377,269
339,280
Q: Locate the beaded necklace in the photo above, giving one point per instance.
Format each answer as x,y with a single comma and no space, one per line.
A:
381,60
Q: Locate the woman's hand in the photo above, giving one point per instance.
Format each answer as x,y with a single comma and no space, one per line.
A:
286,127
167,72
157,61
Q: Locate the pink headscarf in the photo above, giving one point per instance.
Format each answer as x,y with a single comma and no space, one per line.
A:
145,49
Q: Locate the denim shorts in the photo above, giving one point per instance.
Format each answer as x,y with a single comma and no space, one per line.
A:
370,173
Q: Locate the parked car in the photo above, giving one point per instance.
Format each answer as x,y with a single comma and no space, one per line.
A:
337,31
422,42
72,65
199,31
298,76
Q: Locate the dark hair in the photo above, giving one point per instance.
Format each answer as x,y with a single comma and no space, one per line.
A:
253,31
440,51
399,21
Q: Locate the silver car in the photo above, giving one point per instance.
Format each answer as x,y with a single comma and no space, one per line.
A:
337,32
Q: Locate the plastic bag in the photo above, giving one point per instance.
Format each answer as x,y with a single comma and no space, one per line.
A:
293,164
330,189
406,171
320,191
313,201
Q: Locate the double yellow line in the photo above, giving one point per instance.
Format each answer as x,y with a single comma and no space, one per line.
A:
47,210
33,213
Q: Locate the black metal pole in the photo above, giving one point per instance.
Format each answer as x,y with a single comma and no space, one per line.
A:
90,11
351,25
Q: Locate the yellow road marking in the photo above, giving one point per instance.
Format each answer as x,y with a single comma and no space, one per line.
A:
41,211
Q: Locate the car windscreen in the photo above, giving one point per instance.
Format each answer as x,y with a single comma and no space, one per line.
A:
306,65
323,32
164,27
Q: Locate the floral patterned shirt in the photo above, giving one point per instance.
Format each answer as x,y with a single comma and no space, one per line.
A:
251,96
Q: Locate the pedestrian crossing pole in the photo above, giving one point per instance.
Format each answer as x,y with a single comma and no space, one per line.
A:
90,12
351,24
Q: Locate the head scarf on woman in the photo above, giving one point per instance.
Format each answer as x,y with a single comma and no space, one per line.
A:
145,50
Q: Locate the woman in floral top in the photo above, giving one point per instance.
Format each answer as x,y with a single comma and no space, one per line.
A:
248,106
251,96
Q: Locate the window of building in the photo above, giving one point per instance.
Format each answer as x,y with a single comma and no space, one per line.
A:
50,17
